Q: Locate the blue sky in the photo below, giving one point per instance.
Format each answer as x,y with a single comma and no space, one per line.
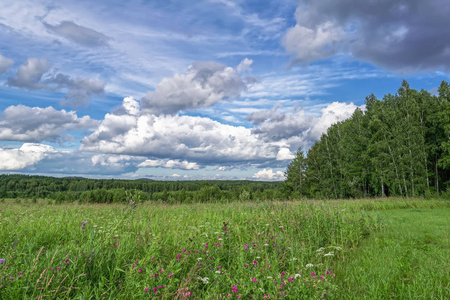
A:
218,89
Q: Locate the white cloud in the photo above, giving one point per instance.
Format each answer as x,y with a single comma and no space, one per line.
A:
285,154
27,155
5,63
113,160
333,113
23,123
30,73
169,163
296,128
309,44
244,65
205,84
269,175
195,139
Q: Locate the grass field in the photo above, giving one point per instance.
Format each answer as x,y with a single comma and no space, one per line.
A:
374,249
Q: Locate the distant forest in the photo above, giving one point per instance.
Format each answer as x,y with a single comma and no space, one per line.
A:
398,146
70,189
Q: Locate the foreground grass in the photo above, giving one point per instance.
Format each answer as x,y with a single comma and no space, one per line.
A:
304,249
410,259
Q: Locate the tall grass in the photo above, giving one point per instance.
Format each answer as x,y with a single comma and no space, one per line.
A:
208,251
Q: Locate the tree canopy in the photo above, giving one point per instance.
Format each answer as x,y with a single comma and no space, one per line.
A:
397,146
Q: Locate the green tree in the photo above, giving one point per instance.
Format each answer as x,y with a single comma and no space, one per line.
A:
295,175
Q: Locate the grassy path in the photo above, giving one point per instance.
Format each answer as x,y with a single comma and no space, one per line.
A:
409,259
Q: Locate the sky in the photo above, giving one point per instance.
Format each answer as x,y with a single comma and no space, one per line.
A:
199,90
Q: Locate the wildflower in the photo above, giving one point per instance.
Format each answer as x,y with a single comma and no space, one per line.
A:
205,280
297,276
291,279
329,254
206,246
2,260
83,223
269,277
235,289
115,245
328,272
338,248
178,257
313,274
218,272
321,277
254,279
309,265
146,289
140,270
199,259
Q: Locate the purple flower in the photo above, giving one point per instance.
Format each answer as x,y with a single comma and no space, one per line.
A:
2,260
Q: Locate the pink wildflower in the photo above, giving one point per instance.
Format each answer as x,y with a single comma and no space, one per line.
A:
235,289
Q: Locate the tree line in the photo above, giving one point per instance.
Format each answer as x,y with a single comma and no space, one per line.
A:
70,189
397,146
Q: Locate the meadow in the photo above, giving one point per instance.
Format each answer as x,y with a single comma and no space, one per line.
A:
334,249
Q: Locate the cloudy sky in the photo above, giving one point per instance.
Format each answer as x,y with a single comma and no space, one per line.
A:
204,89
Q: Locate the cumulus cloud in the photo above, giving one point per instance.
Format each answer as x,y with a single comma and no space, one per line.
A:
396,34
195,139
113,160
23,123
34,74
5,63
170,163
79,90
333,113
309,44
79,34
296,128
285,154
204,84
27,155
30,73
266,175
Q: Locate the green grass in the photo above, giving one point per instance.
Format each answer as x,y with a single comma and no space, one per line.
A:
294,250
409,259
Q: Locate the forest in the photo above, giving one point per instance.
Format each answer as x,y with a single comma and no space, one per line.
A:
70,189
397,146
